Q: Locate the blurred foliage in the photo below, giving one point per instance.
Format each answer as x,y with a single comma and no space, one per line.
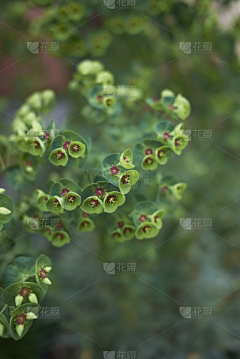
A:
197,268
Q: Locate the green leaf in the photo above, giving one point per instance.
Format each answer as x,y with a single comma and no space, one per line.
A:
23,309
13,290
25,265
163,130
13,275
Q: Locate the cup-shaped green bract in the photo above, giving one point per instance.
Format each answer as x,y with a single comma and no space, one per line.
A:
35,146
48,100
149,163
105,78
48,233
162,154
178,143
43,263
54,205
128,231
178,189
86,225
146,230
157,216
4,333
182,106
58,157
60,238
112,201
178,130
111,168
92,205
128,179
24,290
6,209
126,159
42,199
117,235
71,201
35,101
109,102
163,130
19,317
89,67
143,212
76,149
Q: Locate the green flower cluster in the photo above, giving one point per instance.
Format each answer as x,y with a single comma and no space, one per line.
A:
6,209
20,299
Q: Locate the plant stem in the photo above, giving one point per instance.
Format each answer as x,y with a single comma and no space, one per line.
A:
5,306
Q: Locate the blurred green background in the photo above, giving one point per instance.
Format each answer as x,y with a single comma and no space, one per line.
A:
141,46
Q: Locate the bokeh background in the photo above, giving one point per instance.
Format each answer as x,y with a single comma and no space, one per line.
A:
179,268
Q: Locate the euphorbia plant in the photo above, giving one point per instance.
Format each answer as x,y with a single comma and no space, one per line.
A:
112,199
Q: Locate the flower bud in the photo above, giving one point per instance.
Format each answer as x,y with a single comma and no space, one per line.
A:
19,329
33,298
48,269
47,281
31,316
18,300
4,211
1,329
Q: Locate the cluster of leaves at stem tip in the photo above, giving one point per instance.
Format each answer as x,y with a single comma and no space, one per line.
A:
60,205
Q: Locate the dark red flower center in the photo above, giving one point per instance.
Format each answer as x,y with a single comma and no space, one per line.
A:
60,155
59,236
93,203
56,203
160,154
126,230
148,151
177,142
171,107
111,199
114,170
146,229
85,215
142,218
37,144
29,163
21,319
43,273
164,189
46,136
116,234
120,224
66,145
126,159
99,191
71,199
156,218
48,230
59,224
125,179
100,98
166,135
85,224
75,148
149,161
24,292
64,191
